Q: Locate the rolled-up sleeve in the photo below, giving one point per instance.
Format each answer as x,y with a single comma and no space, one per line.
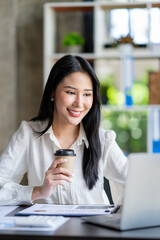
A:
13,166
115,166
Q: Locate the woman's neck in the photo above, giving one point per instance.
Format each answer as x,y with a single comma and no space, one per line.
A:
66,135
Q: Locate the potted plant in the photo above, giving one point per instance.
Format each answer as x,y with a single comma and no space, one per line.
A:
125,45
74,42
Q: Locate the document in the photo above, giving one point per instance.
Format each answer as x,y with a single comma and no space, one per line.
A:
4,210
68,210
8,223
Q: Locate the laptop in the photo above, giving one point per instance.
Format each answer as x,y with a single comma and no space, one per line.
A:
141,206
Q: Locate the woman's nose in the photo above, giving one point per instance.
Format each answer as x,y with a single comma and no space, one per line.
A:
78,100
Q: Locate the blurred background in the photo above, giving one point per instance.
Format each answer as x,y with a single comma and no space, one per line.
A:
28,50
21,63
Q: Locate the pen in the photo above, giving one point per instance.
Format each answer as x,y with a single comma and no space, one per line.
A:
114,210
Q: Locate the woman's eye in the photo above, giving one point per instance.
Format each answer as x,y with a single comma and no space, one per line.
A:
87,94
70,92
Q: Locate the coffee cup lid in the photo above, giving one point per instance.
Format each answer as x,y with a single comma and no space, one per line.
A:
64,152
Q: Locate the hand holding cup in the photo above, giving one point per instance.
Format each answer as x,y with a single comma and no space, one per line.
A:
67,154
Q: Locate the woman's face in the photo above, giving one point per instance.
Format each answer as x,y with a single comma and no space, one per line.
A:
73,98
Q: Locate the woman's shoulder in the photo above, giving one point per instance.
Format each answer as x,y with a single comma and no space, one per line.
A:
107,134
32,126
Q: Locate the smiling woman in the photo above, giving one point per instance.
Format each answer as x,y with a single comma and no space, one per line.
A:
69,118
73,99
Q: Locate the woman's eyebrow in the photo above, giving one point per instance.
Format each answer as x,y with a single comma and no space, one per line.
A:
87,89
70,87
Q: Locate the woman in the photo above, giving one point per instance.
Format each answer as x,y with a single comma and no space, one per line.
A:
69,117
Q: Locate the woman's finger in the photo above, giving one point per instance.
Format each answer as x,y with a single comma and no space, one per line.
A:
63,171
57,162
59,170
60,177
59,174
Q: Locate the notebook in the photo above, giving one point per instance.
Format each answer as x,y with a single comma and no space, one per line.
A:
141,206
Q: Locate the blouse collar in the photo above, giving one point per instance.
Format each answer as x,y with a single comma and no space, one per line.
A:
81,138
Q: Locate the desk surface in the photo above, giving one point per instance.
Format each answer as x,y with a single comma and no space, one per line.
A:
77,229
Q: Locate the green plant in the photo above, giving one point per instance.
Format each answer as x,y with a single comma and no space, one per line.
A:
130,128
73,38
105,83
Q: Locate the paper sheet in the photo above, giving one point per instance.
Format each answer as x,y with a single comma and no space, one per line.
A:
4,210
7,223
68,210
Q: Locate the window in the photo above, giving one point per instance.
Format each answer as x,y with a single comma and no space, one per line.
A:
136,23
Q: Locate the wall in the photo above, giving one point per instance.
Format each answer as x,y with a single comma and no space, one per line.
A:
8,83
21,63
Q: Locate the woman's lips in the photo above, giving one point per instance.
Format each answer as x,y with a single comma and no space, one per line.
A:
74,113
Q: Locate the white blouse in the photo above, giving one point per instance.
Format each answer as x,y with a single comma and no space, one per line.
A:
27,153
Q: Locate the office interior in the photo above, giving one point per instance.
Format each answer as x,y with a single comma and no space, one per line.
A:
23,66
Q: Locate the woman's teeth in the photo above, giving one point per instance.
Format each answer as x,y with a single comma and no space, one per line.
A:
77,113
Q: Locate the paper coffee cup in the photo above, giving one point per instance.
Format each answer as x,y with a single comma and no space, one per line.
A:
66,154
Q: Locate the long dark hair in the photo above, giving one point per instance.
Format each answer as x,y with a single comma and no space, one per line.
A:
91,122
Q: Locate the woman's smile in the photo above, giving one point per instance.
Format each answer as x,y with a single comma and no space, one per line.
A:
74,113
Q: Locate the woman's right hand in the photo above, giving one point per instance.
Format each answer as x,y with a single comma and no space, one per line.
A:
53,177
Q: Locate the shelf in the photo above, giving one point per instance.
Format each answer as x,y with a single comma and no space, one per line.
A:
89,6
56,56
118,56
71,6
99,9
128,5
131,108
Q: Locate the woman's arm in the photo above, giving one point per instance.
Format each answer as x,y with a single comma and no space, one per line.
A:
13,165
115,166
15,162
